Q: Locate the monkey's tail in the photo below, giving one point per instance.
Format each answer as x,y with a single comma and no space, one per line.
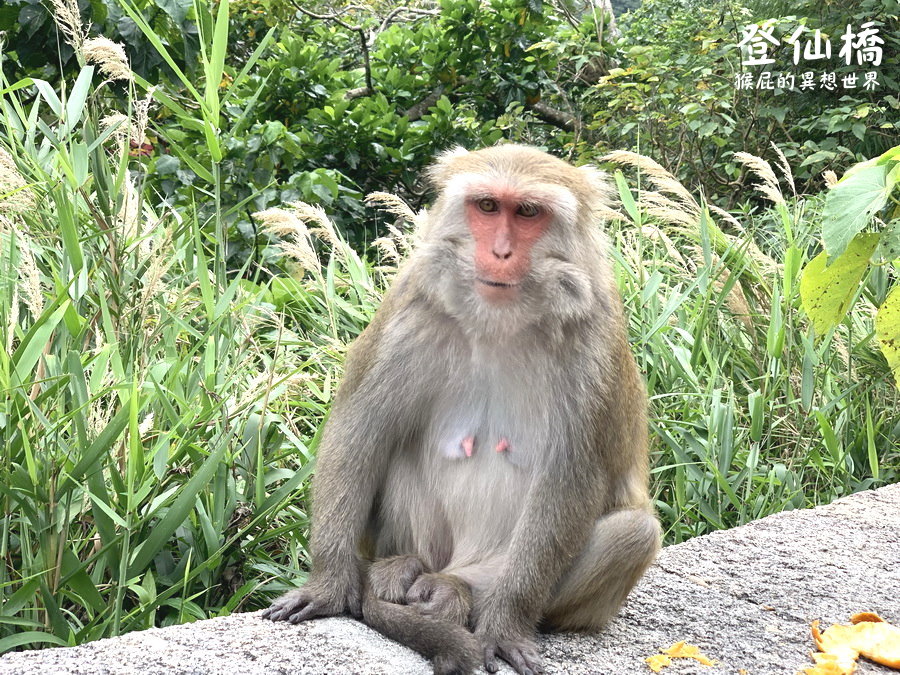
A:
452,649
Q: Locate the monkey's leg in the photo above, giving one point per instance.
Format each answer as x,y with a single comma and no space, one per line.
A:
621,548
390,578
442,596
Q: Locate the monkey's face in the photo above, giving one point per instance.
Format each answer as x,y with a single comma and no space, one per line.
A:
509,242
504,225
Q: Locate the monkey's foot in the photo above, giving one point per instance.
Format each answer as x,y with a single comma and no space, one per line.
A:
521,654
442,596
391,578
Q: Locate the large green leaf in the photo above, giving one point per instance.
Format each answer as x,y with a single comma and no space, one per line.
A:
827,290
852,202
29,351
33,637
887,330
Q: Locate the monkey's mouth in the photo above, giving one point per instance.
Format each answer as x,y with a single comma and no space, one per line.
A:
495,284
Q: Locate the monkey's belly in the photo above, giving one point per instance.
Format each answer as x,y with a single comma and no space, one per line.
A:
452,508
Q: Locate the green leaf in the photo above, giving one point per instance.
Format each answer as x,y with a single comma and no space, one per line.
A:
77,578
818,158
887,330
78,97
46,91
889,246
90,463
28,353
827,290
627,198
214,72
32,637
176,9
176,514
851,203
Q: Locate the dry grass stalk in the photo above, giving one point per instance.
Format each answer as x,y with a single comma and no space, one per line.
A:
315,215
15,195
135,220
160,263
395,205
295,236
608,214
785,169
735,301
121,126
141,118
31,277
658,205
724,215
67,15
661,179
769,186
389,251
831,178
146,425
109,56
653,233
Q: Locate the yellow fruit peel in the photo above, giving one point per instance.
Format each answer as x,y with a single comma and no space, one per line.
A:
657,662
680,650
869,636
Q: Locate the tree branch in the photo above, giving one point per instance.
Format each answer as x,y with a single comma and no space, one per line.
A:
359,30
558,118
422,106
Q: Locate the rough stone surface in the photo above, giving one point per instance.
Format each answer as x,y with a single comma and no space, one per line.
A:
746,597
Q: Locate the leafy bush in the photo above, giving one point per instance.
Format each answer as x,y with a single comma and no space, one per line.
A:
673,93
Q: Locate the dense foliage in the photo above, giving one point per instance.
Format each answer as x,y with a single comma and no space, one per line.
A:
175,305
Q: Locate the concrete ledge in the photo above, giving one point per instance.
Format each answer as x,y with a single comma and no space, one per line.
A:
745,597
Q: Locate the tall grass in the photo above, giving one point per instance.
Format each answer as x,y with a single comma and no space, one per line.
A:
750,414
159,413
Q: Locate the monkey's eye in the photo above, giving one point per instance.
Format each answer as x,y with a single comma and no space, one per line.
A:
488,205
528,210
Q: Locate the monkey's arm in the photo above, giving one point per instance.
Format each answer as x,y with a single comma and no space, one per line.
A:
369,418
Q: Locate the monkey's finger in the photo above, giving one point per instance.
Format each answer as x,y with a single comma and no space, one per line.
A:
277,612
524,661
312,610
491,664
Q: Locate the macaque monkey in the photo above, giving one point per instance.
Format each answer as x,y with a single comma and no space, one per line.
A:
483,472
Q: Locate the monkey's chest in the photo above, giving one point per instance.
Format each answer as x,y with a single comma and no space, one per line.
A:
459,491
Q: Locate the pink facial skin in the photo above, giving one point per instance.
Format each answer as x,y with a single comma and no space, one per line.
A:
505,225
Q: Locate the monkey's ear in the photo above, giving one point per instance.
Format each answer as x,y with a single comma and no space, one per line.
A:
439,172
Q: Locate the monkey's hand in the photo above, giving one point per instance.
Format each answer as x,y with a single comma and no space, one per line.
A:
520,652
320,596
